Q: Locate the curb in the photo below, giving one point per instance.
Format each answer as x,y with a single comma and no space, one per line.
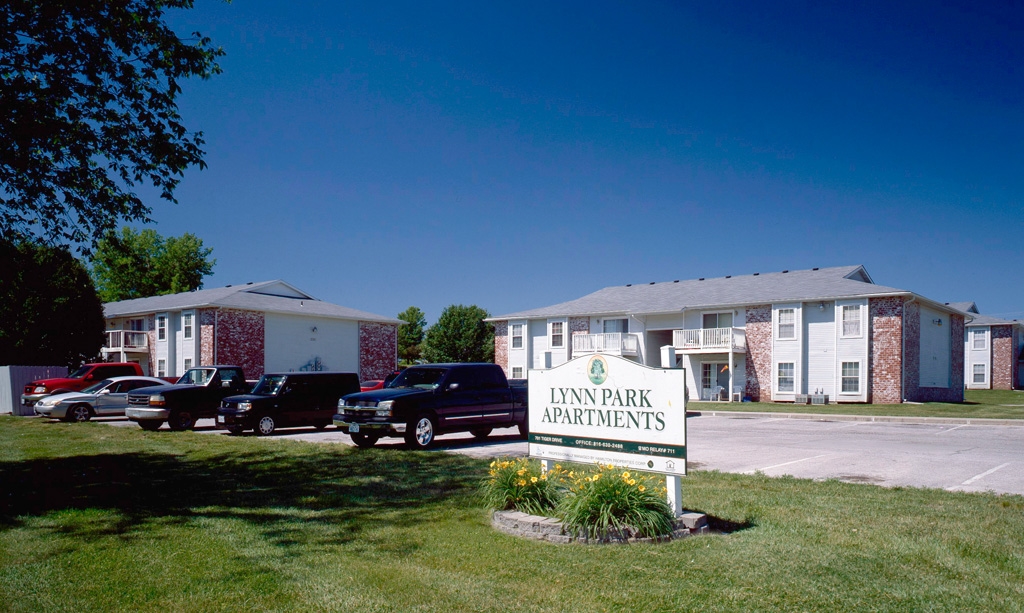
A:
958,421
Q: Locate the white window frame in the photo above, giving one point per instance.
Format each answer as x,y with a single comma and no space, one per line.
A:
188,329
517,372
779,324
513,336
161,367
779,377
976,335
843,377
161,327
851,308
975,372
552,334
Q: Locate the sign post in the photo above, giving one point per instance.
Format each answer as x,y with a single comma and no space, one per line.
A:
607,409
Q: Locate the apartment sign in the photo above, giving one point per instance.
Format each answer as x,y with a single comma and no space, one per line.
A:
609,410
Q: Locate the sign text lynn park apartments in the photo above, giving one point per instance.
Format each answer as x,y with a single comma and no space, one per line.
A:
611,410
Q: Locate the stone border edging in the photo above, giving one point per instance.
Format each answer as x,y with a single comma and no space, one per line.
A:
897,419
538,528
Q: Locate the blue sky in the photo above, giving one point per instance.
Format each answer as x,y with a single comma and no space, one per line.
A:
523,154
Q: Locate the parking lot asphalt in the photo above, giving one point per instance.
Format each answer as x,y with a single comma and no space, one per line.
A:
969,455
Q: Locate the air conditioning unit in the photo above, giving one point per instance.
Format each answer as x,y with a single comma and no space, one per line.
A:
819,398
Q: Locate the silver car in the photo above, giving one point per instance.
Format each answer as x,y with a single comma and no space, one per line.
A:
108,397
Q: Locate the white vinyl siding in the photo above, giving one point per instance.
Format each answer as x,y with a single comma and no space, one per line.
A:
291,344
819,349
977,353
852,349
519,346
787,319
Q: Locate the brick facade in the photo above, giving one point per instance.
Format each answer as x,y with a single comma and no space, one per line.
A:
578,325
1003,358
885,355
378,350
240,340
501,345
759,352
207,330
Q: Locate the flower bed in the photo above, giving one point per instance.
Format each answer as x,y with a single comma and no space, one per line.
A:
552,530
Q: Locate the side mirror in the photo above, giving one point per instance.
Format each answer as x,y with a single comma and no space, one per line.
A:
105,390
89,377
452,387
225,384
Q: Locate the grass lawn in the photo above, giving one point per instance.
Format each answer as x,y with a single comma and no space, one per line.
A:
95,518
990,404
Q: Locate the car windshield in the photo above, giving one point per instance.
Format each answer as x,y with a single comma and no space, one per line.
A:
197,376
95,387
269,385
423,378
78,374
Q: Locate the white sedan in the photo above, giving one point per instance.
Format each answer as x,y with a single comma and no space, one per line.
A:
108,397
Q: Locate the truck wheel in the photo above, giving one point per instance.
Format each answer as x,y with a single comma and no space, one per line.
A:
150,425
480,432
79,412
181,420
265,425
364,441
419,434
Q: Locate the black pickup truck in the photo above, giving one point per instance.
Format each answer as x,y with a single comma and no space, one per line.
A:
196,395
433,399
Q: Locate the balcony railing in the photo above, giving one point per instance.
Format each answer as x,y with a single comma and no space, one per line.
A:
710,339
618,343
126,340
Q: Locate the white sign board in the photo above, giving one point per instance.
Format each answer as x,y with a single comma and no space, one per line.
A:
607,409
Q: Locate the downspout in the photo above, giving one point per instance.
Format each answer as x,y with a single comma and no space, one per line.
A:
903,357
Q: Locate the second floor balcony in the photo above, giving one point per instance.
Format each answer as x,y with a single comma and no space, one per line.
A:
127,341
710,340
616,343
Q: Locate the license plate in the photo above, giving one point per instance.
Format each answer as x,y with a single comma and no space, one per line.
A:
353,428
220,419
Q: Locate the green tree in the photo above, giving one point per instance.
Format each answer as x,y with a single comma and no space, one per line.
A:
460,335
50,313
141,264
410,336
88,111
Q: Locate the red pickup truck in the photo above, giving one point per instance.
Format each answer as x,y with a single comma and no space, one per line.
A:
78,380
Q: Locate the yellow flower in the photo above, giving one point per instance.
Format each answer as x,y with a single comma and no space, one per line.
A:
521,482
641,488
544,477
521,472
625,475
633,482
597,476
533,479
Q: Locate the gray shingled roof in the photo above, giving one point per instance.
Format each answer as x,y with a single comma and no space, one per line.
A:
674,296
971,310
279,297
964,307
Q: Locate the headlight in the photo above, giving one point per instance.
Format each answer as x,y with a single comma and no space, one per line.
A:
57,403
384,408
39,389
244,406
157,400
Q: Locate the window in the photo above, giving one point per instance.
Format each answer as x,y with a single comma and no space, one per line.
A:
787,380
517,372
851,320
161,327
611,326
557,334
161,368
978,370
136,325
717,320
787,323
851,377
978,339
186,326
188,363
517,336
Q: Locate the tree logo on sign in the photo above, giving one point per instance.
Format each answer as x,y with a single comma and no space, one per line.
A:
597,370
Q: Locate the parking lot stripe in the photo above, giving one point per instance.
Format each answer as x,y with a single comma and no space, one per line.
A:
984,474
793,462
951,429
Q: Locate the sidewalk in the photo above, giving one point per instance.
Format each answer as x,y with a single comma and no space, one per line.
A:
958,421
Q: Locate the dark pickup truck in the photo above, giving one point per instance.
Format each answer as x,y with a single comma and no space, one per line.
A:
289,399
196,395
432,399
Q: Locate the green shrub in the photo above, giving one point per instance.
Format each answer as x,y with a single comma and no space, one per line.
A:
516,484
609,501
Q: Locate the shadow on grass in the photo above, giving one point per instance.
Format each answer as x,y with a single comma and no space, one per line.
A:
350,491
719,525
